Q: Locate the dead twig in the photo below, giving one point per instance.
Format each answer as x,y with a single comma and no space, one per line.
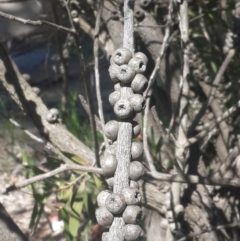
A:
96,67
37,23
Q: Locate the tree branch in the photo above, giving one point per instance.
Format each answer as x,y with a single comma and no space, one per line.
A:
37,23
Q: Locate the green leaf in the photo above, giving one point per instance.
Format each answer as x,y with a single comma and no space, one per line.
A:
97,182
66,194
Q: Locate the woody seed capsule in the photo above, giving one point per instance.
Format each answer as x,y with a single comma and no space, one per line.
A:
136,150
132,214
145,3
136,129
123,109
139,14
138,65
105,236
113,70
125,73
114,97
141,56
132,195
122,56
110,150
134,184
103,216
139,84
102,196
132,232
136,170
115,203
137,101
111,130
52,115
109,165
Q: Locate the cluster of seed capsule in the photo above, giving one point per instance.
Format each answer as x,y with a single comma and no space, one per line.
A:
125,70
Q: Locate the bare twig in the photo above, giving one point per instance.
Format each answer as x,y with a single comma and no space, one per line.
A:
148,92
96,67
63,65
86,84
31,135
206,131
183,101
36,23
44,176
86,108
232,225
147,177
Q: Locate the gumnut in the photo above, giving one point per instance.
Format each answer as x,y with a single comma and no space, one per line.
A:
179,209
136,170
114,97
134,184
132,232
145,3
103,216
136,129
110,182
132,214
132,195
102,196
105,236
115,203
121,56
139,14
111,130
109,165
137,101
110,150
138,65
52,115
125,73
117,86
115,15
113,70
142,56
139,84
123,109
170,216
136,150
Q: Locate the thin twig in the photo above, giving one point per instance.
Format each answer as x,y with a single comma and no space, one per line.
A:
31,135
147,177
86,85
183,100
86,108
96,67
63,65
36,23
232,225
44,176
207,130
148,92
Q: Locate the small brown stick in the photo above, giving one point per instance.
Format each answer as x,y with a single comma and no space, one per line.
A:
96,67
37,23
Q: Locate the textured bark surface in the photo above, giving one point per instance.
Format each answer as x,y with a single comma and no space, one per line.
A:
9,231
